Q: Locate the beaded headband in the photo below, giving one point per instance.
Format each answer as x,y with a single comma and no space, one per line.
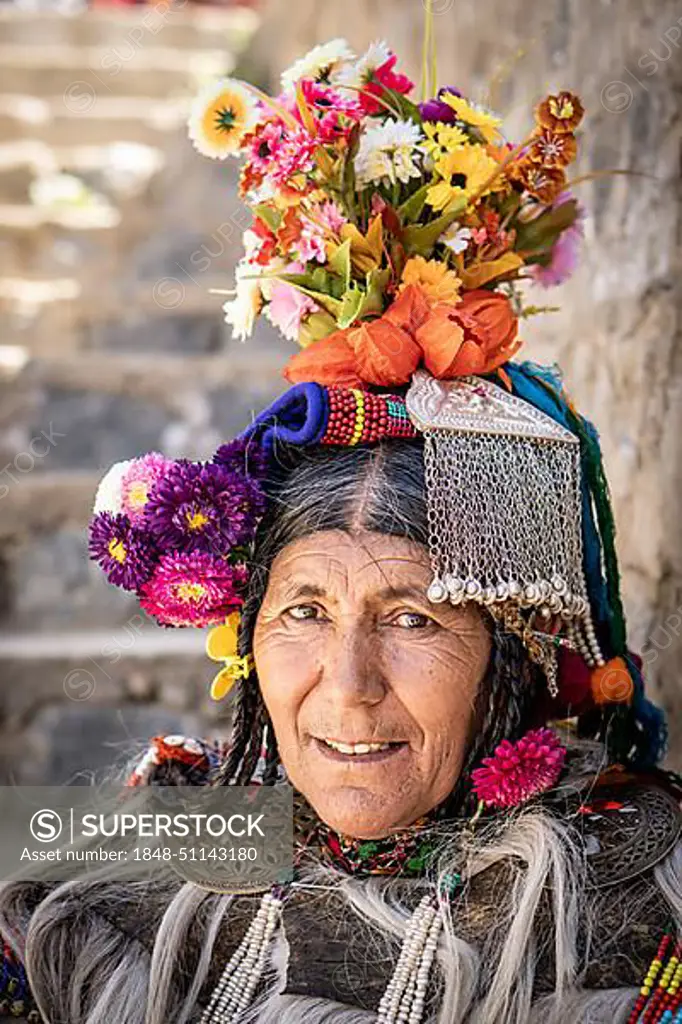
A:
391,241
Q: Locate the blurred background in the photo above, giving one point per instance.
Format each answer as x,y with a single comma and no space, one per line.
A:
113,231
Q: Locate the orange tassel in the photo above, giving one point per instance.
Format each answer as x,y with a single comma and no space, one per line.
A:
612,683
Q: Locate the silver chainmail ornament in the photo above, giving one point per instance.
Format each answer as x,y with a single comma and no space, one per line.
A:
504,504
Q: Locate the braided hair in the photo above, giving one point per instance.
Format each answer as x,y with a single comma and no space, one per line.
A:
376,488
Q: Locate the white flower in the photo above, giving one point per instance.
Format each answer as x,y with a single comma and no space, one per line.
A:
109,497
241,312
220,117
387,153
362,71
456,238
321,63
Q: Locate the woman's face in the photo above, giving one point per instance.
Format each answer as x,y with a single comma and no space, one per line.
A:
350,654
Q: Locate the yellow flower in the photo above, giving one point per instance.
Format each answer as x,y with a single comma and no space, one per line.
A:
434,278
220,117
465,172
477,117
441,138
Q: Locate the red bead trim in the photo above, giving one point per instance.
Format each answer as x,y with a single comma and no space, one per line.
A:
360,417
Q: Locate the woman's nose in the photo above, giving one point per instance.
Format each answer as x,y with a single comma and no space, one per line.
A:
352,672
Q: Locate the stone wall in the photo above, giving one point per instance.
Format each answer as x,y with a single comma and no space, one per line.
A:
113,343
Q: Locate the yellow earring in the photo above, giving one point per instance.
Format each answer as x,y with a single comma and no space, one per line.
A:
221,645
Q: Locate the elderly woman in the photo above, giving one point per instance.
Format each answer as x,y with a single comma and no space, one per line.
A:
408,563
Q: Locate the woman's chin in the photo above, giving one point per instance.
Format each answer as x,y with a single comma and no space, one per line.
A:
362,814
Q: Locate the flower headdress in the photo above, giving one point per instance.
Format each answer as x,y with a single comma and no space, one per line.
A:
391,241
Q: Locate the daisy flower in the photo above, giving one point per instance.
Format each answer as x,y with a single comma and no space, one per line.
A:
139,480
243,456
109,496
221,115
322,63
125,553
465,171
363,70
193,589
241,312
387,153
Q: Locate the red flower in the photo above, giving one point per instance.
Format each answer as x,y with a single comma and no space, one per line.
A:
384,78
519,771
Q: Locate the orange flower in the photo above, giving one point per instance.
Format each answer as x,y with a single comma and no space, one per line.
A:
545,183
475,336
384,353
560,113
330,360
552,150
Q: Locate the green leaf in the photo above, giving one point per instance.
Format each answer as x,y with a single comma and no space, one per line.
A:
340,263
376,288
542,232
271,217
409,111
420,239
411,209
351,306
304,284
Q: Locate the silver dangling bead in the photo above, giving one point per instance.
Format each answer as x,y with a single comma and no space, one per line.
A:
404,999
240,977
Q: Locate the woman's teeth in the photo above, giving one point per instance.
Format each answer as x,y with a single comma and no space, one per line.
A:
357,748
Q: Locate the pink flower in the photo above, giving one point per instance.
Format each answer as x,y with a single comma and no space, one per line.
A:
139,481
519,771
193,590
320,224
565,251
335,112
279,152
288,306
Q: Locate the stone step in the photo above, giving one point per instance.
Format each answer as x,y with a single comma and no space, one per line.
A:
83,82
77,702
133,119
43,242
31,171
128,30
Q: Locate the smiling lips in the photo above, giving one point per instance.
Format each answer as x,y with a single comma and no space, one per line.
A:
368,751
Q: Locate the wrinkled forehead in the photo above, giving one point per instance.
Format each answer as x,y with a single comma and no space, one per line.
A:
366,562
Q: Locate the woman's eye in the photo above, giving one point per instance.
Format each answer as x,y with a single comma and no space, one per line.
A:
412,620
301,612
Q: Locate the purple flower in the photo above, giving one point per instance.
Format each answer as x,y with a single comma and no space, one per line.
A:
437,109
125,553
193,590
200,506
245,457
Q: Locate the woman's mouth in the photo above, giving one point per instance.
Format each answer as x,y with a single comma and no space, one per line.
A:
369,751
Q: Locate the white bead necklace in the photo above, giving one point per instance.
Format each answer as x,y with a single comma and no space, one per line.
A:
405,996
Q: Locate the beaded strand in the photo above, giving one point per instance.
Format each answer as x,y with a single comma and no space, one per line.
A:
360,417
660,998
243,971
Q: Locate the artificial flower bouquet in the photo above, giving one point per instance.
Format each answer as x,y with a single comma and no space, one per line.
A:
386,233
